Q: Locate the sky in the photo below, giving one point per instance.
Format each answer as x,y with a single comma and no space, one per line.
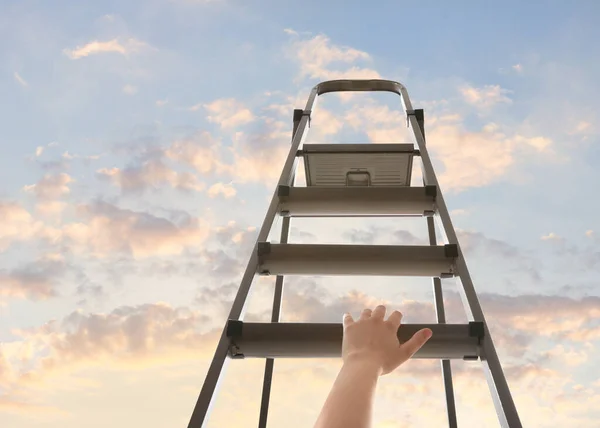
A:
141,143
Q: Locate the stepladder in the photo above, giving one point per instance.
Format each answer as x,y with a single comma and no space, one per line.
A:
370,180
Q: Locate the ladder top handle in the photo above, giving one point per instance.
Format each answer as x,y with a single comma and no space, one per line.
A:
359,85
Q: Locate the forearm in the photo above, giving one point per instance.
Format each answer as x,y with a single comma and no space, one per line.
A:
350,402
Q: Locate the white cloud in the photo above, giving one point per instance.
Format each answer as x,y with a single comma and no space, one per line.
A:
226,190
321,59
589,233
228,113
551,237
518,68
459,212
50,208
160,103
151,174
199,151
94,47
51,186
108,230
36,280
38,151
486,96
476,159
17,224
130,89
20,80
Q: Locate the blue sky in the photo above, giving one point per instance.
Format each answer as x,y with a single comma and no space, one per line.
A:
141,143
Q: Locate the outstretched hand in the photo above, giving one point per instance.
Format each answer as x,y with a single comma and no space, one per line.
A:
373,340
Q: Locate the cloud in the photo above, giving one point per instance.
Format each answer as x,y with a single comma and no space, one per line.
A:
151,174
17,224
258,156
228,113
589,233
476,158
379,122
95,47
129,337
477,243
551,237
518,68
37,280
225,190
383,235
321,59
485,97
199,151
107,230
130,89
50,208
51,186
20,80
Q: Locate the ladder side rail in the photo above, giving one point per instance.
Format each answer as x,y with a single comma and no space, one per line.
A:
501,396
277,299
441,319
214,374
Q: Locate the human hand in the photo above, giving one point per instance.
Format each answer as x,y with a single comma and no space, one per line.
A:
373,340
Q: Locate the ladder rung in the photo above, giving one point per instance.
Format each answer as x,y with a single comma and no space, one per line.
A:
366,201
378,260
317,340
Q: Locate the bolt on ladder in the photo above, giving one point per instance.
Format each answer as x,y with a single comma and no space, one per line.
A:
357,180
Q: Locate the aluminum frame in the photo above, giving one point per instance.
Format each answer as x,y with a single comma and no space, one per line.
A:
502,398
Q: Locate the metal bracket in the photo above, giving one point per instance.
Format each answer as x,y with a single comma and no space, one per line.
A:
451,250
431,190
283,190
476,329
428,213
263,248
307,113
235,328
419,114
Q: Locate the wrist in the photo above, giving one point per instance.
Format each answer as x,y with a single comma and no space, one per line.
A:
366,362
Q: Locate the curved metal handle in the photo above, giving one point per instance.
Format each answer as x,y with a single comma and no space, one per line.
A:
359,85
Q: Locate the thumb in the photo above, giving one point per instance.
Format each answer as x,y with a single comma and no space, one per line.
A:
412,345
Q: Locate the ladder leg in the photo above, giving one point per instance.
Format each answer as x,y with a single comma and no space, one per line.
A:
205,399
269,363
441,318
277,298
501,396
213,376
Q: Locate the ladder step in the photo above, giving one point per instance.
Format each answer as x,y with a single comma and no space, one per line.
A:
317,340
360,201
358,164
377,260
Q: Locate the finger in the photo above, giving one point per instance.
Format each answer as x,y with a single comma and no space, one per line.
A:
348,320
412,345
379,312
395,319
365,314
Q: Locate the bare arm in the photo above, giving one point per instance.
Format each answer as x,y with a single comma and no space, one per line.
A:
370,349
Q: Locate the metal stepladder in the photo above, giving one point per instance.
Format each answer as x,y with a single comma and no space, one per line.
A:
357,180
